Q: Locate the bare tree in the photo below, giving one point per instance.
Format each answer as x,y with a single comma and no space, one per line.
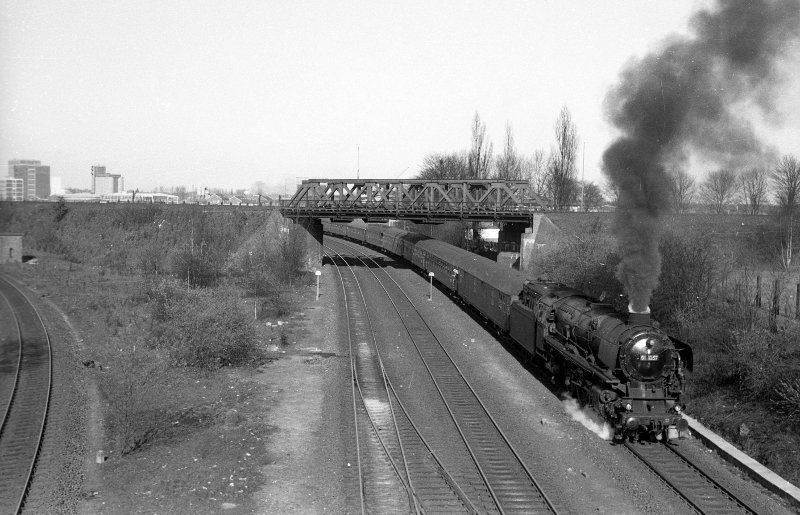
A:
438,166
479,160
786,183
508,165
683,189
753,185
534,170
561,166
611,191
592,196
719,189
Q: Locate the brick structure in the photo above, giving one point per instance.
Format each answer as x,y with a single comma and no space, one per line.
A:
10,247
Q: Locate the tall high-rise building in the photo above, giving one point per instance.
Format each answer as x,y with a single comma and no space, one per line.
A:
35,177
104,183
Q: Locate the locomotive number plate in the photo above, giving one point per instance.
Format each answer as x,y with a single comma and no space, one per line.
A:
648,357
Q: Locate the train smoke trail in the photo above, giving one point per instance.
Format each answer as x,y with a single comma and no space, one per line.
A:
685,99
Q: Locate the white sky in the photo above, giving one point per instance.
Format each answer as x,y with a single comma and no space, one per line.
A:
225,93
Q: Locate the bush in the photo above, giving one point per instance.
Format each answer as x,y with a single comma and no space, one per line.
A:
134,383
690,271
194,266
161,295
278,304
207,329
588,263
788,398
766,363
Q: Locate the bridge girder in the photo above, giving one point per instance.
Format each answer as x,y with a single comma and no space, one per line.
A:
418,200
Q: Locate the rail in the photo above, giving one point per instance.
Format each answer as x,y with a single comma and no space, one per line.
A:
512,486
699,490
391,428
25,416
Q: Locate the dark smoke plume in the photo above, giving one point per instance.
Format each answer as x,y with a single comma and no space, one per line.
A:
683,100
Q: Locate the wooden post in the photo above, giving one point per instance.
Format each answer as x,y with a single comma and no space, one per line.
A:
776,297
758,291
797,302
775,309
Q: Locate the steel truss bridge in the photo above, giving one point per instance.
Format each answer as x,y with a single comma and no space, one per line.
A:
416,200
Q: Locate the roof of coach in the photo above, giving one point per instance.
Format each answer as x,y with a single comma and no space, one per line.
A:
376,228
507,280
414,237
393,232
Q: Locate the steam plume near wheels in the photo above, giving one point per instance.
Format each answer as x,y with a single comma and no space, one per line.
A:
687,98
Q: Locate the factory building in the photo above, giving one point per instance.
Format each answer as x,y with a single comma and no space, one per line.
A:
106,183
35,178
12,189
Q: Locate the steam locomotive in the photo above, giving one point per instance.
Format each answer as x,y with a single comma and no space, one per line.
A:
620,364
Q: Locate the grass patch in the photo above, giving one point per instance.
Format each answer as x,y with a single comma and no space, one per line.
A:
762,433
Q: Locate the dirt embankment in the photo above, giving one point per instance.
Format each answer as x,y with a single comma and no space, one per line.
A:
245,440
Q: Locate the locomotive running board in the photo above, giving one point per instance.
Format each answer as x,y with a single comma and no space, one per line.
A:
580,362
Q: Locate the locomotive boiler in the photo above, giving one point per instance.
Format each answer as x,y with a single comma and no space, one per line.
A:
622,365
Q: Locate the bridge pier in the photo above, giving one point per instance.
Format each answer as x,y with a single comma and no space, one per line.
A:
313,227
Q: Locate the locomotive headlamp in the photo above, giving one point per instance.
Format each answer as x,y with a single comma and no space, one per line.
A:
677,408
628,407
650,343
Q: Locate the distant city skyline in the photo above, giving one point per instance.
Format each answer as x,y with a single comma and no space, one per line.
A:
216,94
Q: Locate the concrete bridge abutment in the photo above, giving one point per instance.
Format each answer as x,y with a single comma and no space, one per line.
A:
313,230
542,236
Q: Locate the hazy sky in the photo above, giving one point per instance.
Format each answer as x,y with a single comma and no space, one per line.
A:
225,93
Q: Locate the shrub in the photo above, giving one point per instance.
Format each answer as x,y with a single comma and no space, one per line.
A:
766,365
788,398
208,329
690,270
196,266
134,383
277,304
161,295
149,258
588,263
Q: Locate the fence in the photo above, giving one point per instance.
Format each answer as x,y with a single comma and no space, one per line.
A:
770,299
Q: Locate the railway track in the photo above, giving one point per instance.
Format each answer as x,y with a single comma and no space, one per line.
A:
698,489
510,485
398,472
25,399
